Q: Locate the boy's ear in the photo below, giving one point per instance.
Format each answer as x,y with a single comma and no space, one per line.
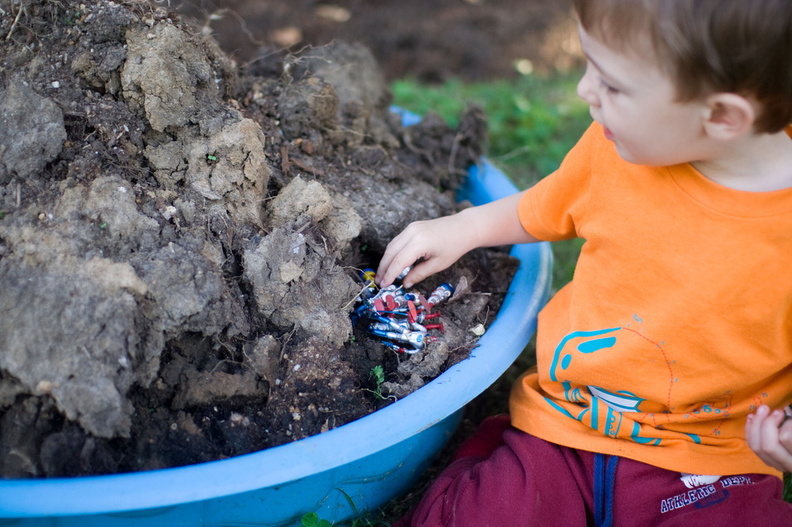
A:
729,116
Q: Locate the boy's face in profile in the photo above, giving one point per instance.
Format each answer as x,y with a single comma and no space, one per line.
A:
635,102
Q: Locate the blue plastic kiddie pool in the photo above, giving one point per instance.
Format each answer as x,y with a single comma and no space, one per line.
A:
339,474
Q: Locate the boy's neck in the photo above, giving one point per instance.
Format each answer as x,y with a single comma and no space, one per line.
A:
756,163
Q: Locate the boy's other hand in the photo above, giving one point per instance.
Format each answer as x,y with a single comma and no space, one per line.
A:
769,434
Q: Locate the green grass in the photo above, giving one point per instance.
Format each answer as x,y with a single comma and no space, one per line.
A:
532,121
788,487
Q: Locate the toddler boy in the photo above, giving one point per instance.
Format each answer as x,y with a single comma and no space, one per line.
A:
677,325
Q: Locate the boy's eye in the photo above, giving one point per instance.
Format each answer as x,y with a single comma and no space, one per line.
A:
608,88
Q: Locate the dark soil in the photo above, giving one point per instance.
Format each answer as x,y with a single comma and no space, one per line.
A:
181,235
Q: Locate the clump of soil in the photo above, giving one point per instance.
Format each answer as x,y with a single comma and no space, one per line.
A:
180,240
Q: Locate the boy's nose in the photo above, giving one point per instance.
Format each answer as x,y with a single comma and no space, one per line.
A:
585,89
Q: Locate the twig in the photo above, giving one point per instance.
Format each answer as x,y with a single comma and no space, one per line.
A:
285,162
355,299
218,15
288,337
452,155
16,21
308,168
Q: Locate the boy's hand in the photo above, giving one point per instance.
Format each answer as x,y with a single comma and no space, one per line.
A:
436,243
769,434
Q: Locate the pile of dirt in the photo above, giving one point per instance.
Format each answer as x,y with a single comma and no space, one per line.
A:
181,238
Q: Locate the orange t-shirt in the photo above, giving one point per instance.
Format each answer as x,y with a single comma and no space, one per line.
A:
677,323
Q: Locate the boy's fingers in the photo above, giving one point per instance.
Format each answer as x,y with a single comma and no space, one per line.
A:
787,414
393,267
416,274
770,449
785,430
750,431
383,271
386,272
399,254
762,435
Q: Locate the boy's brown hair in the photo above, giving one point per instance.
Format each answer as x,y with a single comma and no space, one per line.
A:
706,46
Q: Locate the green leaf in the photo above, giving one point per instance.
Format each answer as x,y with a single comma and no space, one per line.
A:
379,374
310,519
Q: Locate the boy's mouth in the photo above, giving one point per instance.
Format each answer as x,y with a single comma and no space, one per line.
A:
608,134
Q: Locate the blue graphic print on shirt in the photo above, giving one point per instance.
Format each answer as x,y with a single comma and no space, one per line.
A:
600,409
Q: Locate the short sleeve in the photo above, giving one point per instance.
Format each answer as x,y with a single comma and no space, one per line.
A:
554,208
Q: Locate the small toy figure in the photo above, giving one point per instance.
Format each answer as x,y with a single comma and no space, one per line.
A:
441,293
398,318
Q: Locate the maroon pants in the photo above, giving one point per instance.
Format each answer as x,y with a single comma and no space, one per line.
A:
527,481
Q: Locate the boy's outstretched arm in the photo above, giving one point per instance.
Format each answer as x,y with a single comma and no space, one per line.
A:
769,434
440,242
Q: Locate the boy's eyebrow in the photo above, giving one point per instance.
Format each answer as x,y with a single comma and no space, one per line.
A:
596,65
607,77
